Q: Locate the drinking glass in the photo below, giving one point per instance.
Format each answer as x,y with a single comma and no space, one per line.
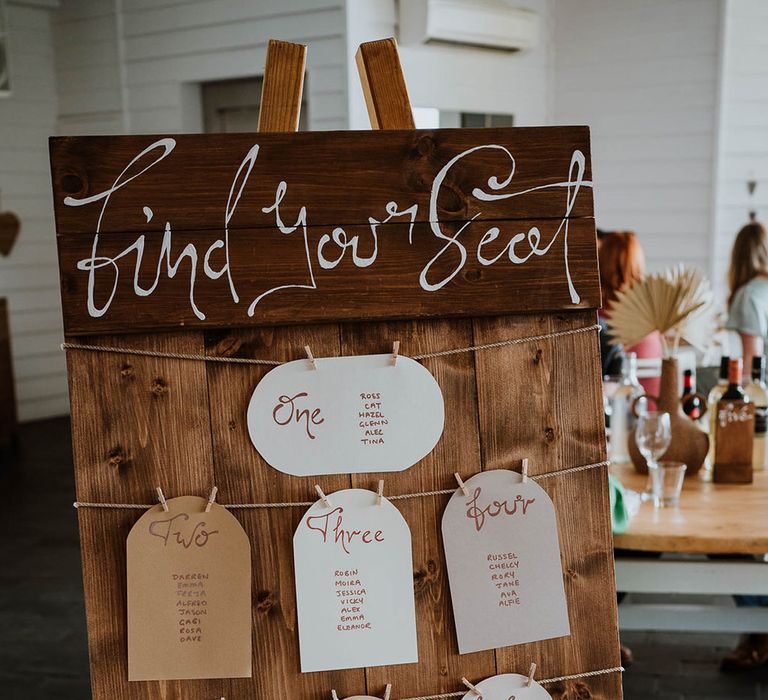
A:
653,434
667,480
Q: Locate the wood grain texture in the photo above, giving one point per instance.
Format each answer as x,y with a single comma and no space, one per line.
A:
137,423
341,177
709,520
282,86
543,401
383,83
262,260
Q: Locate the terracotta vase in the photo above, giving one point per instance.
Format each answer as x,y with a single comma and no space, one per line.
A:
689,444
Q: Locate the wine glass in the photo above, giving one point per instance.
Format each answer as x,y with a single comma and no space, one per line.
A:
653,433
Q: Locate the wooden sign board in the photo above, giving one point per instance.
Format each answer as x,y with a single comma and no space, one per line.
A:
256,245
734,436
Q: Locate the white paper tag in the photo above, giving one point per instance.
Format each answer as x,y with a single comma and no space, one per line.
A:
508,686
350,415
354,584
503,559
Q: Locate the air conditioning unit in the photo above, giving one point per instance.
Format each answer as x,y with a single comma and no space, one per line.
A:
489,24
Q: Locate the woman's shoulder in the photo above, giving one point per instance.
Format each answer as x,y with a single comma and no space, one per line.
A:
756,288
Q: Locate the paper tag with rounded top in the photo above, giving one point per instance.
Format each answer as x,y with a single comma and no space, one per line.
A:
349,415
354,584
503,558
189,593
508,686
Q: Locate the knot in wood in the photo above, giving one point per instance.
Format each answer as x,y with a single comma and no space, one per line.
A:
72,183
265,601
159,387
232,425
126,370
549,435
537,356
116,458
227,346
473,275
426,576
425,145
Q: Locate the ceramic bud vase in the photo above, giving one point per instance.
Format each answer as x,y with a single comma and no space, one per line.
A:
689,443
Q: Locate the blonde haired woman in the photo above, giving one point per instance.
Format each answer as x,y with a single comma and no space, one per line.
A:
748,283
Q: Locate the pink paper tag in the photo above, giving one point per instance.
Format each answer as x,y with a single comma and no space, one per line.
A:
503,558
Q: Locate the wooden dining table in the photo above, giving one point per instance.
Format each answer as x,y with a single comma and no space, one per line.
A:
692,558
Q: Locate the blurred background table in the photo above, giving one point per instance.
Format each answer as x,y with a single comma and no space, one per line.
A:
692,558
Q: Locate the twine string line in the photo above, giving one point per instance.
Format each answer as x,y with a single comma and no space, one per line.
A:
275,363
306,504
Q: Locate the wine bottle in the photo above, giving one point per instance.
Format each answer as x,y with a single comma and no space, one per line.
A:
622,418
692,402
758,395
734,392
715,394
734,431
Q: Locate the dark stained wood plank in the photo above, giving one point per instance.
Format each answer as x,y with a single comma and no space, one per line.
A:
340,178
383,83
263,260
440,666
282,87
244,477
457,450
137,422
543,401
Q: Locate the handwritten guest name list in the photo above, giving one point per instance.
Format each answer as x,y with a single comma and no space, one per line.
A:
354,584
189,594
351,414
503,558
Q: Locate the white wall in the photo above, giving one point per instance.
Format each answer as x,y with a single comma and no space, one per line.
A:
170,47
744,126
29,276
644,77
455,79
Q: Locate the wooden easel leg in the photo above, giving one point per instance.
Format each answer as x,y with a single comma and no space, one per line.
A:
283,86
386,94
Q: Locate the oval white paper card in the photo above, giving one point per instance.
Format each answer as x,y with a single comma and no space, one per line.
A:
354,584
508,686
351,414
503,558
189,593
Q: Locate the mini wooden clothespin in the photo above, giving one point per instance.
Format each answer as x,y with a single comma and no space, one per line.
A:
380,492
395,351
334,696
531,671
323,497
387,691
310,356
211,499
524,468
463,488
161,498
471,687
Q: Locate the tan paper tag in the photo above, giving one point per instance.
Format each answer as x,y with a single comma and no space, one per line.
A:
189,594
508,686
503,559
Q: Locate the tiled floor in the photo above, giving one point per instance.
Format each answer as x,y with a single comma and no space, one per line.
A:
42,632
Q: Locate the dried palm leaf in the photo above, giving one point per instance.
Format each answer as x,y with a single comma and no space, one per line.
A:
673,302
